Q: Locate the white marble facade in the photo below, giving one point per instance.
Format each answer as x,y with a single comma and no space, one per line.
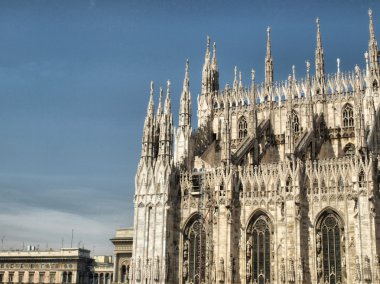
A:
278,184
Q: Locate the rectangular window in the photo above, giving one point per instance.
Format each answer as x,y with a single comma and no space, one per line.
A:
31,276
11,277
52,277
20,276
41,278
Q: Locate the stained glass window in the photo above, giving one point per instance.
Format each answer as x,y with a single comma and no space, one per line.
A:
258,250
296,123
329,258
194,257
242,127
348,116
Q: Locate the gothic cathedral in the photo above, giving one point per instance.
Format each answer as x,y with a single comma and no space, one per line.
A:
279,182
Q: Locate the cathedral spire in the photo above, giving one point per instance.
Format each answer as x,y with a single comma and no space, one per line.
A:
207,55
185,102
148,131
150,111
253,91
319,61
235,84
167,100
308,94
210,74
214,64
372,47
159,108
186,80
240,82
268,63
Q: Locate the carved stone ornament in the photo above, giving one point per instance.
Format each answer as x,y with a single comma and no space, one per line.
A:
185,271
300,270
130,276
282,271
367,269
248,272
156,275
221,273
291,274
357,269
138,269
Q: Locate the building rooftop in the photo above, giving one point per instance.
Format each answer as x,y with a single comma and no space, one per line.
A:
63,252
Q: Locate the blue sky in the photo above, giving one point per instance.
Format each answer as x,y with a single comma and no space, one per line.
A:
74,85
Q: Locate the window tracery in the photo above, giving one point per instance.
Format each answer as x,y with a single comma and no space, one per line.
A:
349,150
295,122
258,248
330,247
243,127
194,252
348,116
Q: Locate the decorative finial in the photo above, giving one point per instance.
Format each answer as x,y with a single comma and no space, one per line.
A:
308,66
240,76
207,55
357,71
161,94
186,80
371,29
317,21
294,72
214,64
268,31
168,87
253,75
236,71
366,55
151,88
338,65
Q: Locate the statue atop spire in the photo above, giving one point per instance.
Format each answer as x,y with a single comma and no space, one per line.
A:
268,64
319,61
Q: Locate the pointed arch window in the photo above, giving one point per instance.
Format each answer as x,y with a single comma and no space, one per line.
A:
295,122
258,258
375,85
243,127
288,184
330,247
349,150
361,179
348,116
194,252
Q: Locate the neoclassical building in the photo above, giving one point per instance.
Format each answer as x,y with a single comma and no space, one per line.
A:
279,182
